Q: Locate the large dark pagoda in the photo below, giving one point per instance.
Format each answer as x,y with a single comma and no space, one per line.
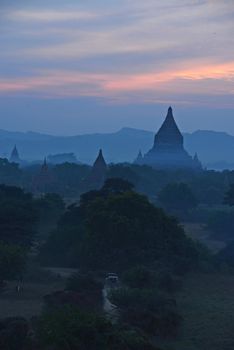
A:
168,149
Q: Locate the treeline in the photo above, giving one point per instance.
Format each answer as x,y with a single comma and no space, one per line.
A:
70,180
20,217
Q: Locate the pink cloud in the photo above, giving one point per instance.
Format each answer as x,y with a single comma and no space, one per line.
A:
184,83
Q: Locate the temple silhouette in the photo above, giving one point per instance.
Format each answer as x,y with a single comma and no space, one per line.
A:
43,180
15,158
168,150
98,173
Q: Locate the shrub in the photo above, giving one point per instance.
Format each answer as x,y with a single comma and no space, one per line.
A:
13,333
221,223
84,283
226,255
148,310
138,277
69,328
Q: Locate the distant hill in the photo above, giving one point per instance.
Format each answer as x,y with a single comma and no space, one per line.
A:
215,149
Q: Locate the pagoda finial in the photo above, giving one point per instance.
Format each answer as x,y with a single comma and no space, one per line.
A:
170,112
139,158
44,166
15,155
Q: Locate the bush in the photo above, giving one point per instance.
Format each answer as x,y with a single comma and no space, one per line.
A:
221,223
148,310
84,283
138,277
69,328
87,288
12,261
143,278
226,255
177,196
13,333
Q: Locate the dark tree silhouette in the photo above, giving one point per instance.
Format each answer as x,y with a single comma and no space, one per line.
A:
229,196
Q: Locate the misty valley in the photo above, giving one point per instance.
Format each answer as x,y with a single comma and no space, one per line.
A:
117,256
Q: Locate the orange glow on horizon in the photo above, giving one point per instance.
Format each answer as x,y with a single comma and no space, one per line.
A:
207,79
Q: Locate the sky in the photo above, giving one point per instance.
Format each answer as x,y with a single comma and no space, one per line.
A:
73,67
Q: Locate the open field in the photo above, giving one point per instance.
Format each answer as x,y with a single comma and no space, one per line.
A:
199,232
28,302
206,302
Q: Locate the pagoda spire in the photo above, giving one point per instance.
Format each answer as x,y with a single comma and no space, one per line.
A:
44,166
169,134
100,161
43,181
98,173
14,158
139,158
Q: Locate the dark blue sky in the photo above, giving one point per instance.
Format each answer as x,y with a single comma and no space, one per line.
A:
69,67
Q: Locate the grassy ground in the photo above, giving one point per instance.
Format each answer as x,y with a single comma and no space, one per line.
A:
206,302
199,232
28,302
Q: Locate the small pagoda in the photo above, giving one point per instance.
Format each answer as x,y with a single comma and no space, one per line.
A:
98,173
15,158
139,158
43,181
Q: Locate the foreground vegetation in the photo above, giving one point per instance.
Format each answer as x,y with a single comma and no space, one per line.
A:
171,288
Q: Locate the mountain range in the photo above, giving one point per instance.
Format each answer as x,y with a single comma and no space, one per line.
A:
215,149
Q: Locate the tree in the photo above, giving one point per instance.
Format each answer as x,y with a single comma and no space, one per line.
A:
86,285
125,229
12,261
147,309
50,207
138,277
69,328
116,231
226,255
17,216
117,185
221,223
229,196
177,196
10,174
14,333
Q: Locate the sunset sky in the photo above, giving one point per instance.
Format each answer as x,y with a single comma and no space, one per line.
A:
71,67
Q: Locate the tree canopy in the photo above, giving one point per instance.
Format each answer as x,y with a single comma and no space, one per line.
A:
229,196
117,230
177,196
17,216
